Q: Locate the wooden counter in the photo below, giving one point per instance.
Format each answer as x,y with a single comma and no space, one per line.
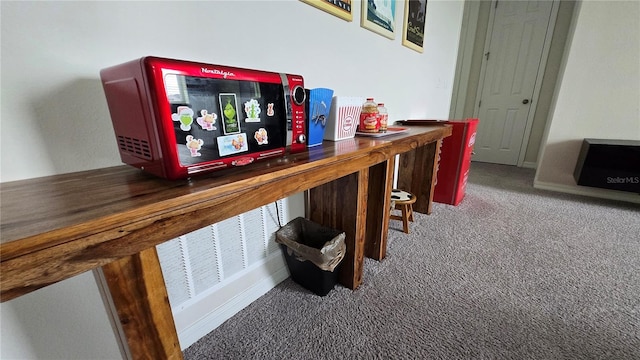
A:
55,227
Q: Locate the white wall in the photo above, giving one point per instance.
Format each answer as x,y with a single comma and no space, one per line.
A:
598,94
54,117
63,321
53,51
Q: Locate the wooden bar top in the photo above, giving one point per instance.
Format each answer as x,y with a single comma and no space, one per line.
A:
59,226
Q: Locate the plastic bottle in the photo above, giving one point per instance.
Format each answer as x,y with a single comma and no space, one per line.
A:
369,121
383,117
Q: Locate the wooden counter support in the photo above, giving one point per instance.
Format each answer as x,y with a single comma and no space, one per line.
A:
140,297
417,171
59,226
341,204
380,183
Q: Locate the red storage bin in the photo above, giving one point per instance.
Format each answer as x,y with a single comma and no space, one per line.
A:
455,159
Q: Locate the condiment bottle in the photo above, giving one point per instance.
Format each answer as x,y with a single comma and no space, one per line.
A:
369,121
383,117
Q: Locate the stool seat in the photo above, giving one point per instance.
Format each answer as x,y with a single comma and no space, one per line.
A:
402,200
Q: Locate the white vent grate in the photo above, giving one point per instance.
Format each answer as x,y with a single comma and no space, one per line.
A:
174,269
197,263
203,260
229,235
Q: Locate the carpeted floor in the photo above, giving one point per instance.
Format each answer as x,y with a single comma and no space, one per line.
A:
511,273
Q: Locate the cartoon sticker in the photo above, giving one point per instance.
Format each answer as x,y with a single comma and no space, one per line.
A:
206,121
184,115
270,111
232,144
261,136
228,108
252,109
194,145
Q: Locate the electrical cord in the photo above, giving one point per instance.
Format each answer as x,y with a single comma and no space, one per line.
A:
278,214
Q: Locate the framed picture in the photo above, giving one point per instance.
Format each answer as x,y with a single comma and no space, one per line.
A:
414,21
339,8
379,16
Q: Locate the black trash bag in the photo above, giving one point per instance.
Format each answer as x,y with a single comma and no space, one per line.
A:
306,240
313,253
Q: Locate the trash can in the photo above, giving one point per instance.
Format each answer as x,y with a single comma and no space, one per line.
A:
313,253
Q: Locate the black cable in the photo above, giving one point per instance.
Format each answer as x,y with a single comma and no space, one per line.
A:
278,214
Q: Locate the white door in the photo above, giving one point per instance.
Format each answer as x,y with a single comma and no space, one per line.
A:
511,67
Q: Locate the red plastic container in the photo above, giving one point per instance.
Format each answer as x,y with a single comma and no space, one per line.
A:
455,160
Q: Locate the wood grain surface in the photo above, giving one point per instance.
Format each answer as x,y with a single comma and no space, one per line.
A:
417,174
341,204
378,205
56,227
59,226
137,289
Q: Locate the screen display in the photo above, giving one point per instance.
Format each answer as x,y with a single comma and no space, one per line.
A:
218,118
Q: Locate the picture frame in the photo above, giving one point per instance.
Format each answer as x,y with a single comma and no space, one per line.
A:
339,8
415,12
379,17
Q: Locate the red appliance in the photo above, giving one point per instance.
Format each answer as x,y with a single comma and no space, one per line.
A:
455,160
176,118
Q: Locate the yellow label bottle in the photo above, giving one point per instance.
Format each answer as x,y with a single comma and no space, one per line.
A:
369,121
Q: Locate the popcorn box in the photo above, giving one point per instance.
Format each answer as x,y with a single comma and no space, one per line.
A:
344,117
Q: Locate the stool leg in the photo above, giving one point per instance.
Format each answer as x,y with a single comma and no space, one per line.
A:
411,212
405,218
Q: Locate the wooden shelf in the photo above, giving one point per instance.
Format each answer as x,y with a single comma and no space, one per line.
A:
56,227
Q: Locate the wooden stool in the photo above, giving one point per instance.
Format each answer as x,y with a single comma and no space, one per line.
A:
402,200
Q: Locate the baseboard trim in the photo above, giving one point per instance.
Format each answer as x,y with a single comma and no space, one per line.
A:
218,314
529,165
588,191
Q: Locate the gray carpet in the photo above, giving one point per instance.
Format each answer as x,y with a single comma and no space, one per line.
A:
511,273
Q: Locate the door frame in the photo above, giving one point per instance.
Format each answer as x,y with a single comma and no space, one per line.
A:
465,58
539,76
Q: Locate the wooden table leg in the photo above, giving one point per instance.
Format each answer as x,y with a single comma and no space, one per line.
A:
378,208
417,170
341,204
138,292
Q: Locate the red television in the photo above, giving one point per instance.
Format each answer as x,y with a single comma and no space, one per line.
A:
175,118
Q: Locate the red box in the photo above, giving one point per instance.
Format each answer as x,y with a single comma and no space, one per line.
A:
454,159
